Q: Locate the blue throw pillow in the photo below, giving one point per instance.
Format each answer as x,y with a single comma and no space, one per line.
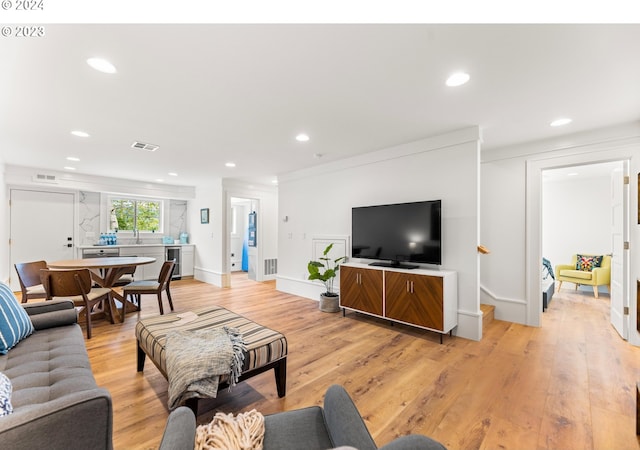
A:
15,323
5,395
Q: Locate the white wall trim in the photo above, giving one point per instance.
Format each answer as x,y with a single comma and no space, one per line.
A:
208,276
496,298
23,176
452,139
301,288
577,143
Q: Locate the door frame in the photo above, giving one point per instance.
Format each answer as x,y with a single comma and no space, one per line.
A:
226,235
605,152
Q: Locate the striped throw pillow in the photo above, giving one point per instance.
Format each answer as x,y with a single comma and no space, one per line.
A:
15,323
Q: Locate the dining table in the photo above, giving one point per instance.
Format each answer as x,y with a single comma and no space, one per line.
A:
106,272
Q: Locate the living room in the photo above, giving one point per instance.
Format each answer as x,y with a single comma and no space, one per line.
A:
490,195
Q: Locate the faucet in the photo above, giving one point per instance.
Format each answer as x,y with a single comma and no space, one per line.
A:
136,234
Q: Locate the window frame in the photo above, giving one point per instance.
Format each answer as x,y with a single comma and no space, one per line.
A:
136,199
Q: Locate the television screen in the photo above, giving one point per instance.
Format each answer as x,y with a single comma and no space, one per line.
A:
397,233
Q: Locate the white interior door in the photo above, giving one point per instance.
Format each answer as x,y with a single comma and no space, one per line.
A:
620,258
41,228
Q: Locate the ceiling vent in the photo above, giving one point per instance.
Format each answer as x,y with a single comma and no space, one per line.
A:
144,146
44,178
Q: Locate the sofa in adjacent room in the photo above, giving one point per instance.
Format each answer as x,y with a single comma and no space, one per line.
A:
50,397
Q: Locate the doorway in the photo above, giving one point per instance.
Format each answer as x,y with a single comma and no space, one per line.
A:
242,238
582,209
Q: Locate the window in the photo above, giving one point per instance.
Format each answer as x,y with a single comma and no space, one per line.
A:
137,214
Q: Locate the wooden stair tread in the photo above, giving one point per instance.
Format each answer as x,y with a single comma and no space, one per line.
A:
487,314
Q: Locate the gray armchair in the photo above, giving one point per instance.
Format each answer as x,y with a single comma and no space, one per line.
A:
338,424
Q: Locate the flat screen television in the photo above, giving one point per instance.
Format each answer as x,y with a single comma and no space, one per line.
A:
397,234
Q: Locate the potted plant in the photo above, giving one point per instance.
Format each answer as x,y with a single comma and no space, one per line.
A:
326,270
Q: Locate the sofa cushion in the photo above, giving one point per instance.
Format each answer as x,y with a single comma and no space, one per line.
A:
15,324
588,262
5,395
48,365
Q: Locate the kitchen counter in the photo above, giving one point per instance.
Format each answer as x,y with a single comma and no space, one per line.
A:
159,244
183,254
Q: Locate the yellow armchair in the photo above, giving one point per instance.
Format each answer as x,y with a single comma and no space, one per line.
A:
598,276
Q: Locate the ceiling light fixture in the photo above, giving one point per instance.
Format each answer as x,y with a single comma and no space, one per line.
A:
457,79
172,174
159,180
275,181
101,65
302,137
230,164
560,122
572,174
69,168
80,133
72,158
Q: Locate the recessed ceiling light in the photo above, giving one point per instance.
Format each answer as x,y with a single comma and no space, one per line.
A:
274,181
80,133
230,164
69,168
72,158
159,180
572,174
101,65
172,174
302,137
560,122
457,79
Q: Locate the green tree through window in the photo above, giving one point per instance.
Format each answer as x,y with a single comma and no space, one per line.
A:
141,215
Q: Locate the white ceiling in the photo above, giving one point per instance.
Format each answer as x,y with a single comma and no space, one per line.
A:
209,94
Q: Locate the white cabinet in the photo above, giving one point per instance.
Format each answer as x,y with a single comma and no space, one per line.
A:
187,260
146,271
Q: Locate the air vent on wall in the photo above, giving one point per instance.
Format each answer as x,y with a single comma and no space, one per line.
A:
44,178
145,146
270,266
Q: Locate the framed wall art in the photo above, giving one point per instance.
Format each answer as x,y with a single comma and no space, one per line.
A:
204,215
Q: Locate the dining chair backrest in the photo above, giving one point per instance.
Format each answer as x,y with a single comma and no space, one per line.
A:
29,273
66,283
165,273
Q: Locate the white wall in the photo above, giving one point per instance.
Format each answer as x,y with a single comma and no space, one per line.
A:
4,229
208,238
576,218
318,203
511,216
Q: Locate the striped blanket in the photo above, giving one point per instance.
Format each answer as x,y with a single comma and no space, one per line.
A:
196,360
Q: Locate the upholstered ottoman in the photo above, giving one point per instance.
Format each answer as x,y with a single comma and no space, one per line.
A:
266,348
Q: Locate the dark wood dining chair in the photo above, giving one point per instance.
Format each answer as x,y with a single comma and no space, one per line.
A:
128,276
137,288
76,285
29,278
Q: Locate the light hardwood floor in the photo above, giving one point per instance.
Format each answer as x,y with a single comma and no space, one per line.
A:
569,384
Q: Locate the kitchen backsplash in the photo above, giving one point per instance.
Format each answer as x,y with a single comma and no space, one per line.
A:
89,218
